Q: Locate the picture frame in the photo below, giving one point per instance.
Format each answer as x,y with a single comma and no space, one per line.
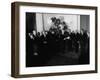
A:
21,11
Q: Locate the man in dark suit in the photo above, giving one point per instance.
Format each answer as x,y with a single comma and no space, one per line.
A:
72,41
77,41
29,49
84,55
66,38
32,49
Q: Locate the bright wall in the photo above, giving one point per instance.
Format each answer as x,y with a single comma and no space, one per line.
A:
72,21
43,20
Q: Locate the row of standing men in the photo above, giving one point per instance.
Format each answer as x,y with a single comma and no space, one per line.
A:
43,46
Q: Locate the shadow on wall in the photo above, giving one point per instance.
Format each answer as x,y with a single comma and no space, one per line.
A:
85,22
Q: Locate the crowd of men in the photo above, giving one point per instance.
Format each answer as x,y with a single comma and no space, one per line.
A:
42,46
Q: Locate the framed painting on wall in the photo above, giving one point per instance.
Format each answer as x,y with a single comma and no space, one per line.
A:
53,39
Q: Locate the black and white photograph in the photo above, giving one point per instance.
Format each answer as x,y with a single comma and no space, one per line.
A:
52,39
57,39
